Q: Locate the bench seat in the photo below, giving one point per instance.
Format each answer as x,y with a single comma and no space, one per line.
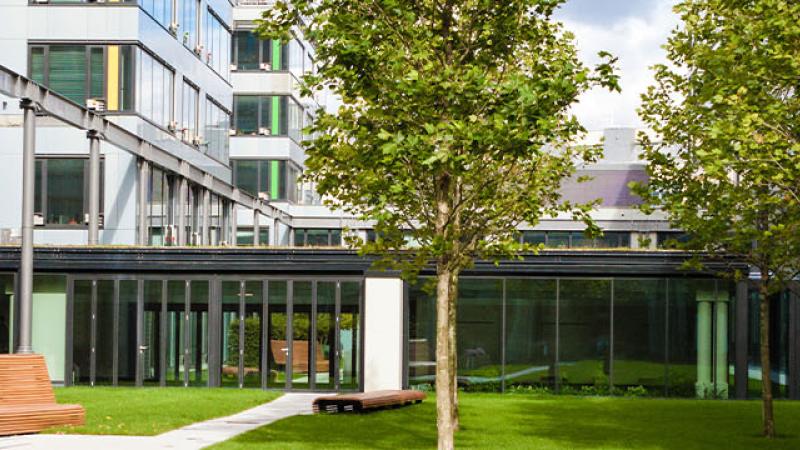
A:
368,400
21,419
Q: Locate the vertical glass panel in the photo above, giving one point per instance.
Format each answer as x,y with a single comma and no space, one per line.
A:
682,336
176,329
6,313
584,344
317,237
37,190
533,237
126,336
198,337
150,346
324,352
230,333
336,238
530,332
81,331
558,239
246,114
96,72
301,328
253,342
246,51
421,336
580,240
640,334
480,340
37,64
300,237
104,340
65,191
247,175
278,345
67,72
126,81
349,336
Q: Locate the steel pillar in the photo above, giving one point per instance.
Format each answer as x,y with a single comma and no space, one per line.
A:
26,260
144,175
181,211
206,238
94,187
233,224
256,228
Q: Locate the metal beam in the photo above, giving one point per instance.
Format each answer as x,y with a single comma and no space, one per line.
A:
26,259
57,106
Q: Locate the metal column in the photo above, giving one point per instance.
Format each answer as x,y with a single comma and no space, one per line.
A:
232,216
276,236
26,260
144,172
206,238
181,211
94,187
256,228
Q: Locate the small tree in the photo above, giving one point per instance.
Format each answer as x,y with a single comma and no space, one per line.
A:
727,168
454,129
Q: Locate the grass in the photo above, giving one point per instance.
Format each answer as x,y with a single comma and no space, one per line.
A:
546,422
151,411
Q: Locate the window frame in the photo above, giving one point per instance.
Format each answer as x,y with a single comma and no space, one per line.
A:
330,231
285,170
41,161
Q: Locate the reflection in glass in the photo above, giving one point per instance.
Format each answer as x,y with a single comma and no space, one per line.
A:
639,334
176,306
253,343
198,338
480,318
530,332
126,345
301,328
324,339
422,336
584,344
6,313
81,331
230,333
278,347
349,335
682,336
150,348
104,339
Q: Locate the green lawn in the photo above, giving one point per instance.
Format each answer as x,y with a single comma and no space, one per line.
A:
151,411
526,421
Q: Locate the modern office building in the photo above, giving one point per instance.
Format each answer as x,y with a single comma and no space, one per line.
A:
175,245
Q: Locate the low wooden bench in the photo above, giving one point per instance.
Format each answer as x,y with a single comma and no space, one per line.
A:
366,401
27,402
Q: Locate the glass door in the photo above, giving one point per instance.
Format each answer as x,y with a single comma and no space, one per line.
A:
252,334
277,334
231,291
349,336
151,350
324,350
299,347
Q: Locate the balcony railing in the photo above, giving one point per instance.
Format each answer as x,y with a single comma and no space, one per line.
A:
255,2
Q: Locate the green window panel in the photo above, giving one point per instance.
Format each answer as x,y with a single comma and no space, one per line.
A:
276,55
68,71
96,73
37,64
275,180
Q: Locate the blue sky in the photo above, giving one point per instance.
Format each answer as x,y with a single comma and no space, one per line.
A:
632,30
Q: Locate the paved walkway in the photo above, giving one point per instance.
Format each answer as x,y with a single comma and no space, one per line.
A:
192,437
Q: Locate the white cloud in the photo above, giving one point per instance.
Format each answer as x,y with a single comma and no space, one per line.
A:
636,41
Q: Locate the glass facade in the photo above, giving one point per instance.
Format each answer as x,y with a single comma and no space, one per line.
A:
212,332
217,43
267,179
267,115
569,334
217,123
576,239
251,53
317,237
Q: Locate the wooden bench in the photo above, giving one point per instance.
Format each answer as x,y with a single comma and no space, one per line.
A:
366,401
27,402
280,351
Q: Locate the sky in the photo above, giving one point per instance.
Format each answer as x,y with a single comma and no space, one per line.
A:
633,31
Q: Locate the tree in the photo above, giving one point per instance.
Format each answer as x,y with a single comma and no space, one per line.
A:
726,167
454,129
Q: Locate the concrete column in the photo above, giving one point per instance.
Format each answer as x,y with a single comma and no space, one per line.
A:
741,340
181,211
94,187
26,259
383,334
276,235
256,228
703,386
144,181
721,353
206,238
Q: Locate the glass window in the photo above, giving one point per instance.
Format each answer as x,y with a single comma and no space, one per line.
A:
126,344
155,96
301,331
244,236
217,125
530,332
278,341
480,341
584,333
160,10
317,237
247,50
640,334
246,115
67,74
217,41
682,336
188,21
190,97
268,115
324,353
534,237
266,179
558,239
64,182
349,335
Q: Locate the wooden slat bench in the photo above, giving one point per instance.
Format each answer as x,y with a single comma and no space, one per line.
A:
366,401
27,402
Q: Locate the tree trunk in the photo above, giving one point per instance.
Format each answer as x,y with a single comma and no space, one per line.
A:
445,377
453,298
766,381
